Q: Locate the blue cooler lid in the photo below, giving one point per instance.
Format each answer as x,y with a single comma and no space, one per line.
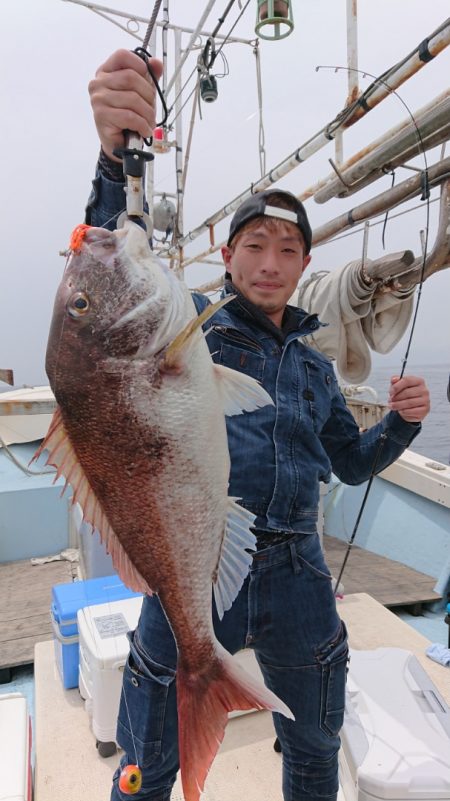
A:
68,598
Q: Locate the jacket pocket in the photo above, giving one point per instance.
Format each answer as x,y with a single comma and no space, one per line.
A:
318,393
233,335
242,360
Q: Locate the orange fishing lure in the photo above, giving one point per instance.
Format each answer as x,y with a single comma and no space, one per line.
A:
130,780
78,234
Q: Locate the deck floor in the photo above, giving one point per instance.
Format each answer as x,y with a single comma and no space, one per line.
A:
390,583
25,593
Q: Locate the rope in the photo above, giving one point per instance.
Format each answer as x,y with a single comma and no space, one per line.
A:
151,24
20,464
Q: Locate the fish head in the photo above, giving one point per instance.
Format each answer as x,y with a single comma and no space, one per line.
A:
112,303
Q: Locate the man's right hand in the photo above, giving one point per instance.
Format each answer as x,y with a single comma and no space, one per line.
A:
123,96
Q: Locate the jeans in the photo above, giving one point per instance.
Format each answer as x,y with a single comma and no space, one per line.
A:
286,612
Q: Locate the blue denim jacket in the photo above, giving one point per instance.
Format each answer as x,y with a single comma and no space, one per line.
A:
280,453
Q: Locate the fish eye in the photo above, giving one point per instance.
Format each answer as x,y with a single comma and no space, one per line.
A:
78,304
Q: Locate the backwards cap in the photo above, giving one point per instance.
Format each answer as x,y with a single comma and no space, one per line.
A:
258,205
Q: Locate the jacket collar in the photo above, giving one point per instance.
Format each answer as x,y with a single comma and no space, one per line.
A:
295,320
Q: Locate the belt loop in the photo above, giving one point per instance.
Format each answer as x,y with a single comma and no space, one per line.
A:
296,564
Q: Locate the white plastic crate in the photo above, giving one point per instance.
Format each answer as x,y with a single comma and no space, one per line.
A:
16,782
103,652
396,733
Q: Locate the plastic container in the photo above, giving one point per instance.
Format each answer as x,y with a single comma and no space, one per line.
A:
67,599
396,732
104,650
16,781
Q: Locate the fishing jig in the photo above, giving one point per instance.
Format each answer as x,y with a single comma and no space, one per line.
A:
130,779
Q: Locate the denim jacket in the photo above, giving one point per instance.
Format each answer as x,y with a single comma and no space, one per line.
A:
280,453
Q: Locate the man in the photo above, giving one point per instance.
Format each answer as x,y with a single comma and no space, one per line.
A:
285,610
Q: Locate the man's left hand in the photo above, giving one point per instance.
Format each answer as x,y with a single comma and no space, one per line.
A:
409,397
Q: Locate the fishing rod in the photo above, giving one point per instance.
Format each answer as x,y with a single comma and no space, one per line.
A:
426,198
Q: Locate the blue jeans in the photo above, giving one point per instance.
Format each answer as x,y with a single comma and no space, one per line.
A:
286,612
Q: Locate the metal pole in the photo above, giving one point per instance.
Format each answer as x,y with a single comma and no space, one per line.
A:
437,43
164,46
434,127
352,51
380,203
387,137
358,214
179,142
194,36
428,49
99,9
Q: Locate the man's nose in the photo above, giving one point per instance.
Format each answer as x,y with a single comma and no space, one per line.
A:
269,261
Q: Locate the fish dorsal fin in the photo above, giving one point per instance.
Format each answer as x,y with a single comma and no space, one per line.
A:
62,456
239,392
182,342
234,560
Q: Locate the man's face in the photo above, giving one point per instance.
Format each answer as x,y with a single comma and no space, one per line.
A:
266,266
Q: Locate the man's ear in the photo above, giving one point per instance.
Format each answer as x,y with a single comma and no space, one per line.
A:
226,256
306,261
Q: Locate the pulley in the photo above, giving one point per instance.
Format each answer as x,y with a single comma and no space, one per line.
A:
275,18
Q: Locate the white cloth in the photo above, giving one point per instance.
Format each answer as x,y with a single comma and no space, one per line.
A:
356,319
439,653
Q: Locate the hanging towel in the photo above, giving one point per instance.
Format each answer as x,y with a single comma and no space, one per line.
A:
357,319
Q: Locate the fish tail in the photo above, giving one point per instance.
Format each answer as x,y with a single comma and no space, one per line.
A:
204,701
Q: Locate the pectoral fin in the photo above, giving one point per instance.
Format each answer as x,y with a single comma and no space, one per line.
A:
234,560
177,349
239,392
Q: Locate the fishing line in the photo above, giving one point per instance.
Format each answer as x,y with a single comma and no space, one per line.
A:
425,196
387,214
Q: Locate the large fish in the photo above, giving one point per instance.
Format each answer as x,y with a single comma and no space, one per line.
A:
140,435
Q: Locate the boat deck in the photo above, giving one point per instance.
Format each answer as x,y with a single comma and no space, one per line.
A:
25,590
390,583
246,764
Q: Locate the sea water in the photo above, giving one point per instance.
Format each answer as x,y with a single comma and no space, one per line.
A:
434,439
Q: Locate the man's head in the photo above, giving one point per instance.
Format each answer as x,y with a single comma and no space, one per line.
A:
268,249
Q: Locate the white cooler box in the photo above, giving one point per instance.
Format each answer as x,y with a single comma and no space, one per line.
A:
396,733
104,650
16,779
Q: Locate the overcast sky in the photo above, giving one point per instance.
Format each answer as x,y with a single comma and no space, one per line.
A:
49,49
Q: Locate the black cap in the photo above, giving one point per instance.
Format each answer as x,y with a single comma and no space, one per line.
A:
258,205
